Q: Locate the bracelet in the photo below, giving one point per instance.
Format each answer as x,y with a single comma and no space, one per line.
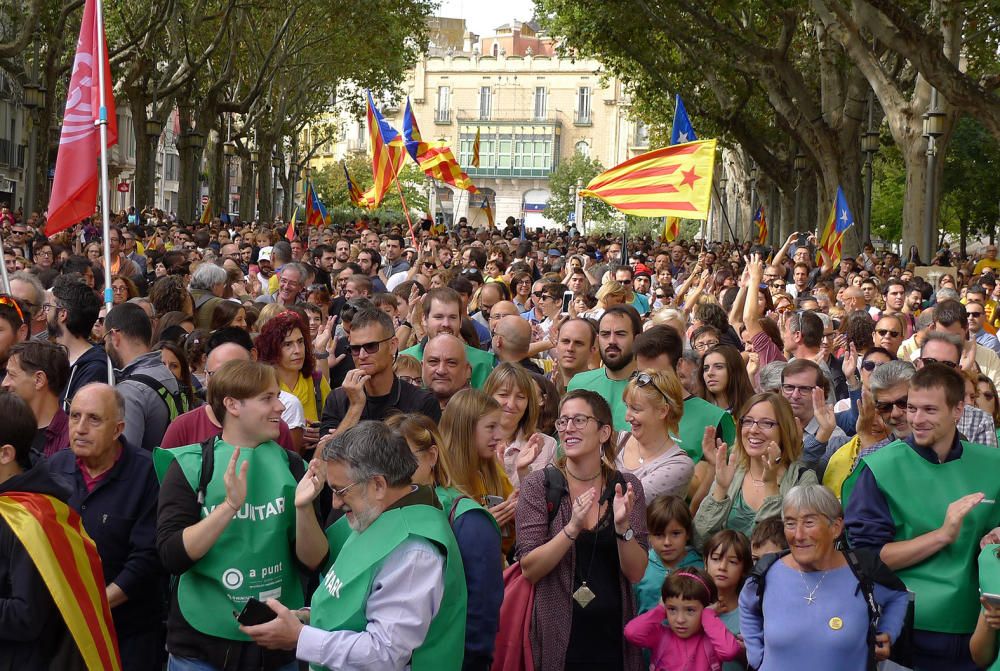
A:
406,324
320,356
567,535
230,504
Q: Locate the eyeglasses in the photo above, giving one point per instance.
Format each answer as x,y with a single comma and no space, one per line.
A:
7,300
578,421
872,365
49,253
624,281
705,344
369,347
538,294
51,306
339,493
977,314
928,360
646,380
748,423
410,380
791,389
886,406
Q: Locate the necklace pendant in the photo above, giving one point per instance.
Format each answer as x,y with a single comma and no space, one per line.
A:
809,599
641,461
584,595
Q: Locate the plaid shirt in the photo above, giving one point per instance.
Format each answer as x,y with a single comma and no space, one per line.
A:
974,426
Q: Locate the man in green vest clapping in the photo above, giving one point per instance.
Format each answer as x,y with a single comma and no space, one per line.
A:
393,594
925,503
226,526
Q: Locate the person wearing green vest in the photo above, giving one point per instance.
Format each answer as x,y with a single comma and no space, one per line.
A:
393,593
616,331
225,526
443,314
983,645
925,503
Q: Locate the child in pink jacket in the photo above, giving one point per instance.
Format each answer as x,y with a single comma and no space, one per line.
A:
696,639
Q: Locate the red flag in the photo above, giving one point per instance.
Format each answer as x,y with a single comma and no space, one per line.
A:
74,188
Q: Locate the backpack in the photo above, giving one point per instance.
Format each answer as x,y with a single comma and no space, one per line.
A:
868,568
176,402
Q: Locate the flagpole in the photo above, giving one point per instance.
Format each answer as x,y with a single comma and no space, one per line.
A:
3,269
102,123
406,211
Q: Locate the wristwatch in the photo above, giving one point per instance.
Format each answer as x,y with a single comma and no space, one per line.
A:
627,536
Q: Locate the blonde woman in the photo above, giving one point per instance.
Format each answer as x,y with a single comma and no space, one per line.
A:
523,449
654,402
475,530
470,429
611,293
751,481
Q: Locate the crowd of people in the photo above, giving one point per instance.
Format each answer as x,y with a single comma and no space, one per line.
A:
367,447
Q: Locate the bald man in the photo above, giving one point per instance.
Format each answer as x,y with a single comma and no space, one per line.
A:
501,310
853,299
511,343
200,424
446,369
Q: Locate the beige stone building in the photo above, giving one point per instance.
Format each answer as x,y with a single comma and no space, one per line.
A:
531,110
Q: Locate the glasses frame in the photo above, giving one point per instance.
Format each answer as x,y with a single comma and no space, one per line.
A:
367,347
574,420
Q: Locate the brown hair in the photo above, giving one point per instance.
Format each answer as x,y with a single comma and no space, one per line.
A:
789,434
601,411
690,583
726,540
666,509
514,375
239,380
470,472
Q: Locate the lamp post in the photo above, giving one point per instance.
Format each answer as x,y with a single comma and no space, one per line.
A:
34,99
196,142
723,183
869,145
754,176
254,158
579,207
276,165
228,151
152,130
800,164
933,129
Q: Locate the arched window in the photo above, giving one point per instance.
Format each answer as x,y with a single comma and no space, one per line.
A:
582,148
496,49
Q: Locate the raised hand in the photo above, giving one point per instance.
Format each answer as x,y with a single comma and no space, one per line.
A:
850,365
956,513
823,414
725,465
504,512
708,446
354,386
236,483
581,509
310,485
772,463
623,504
529,452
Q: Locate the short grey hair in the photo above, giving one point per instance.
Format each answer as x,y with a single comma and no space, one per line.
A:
925,318
947,294
36,288
770,376
812,498
890,374
371,448
297,267
208,275
941,336
692,357
119,399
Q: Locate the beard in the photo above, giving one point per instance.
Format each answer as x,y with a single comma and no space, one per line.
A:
54,329
619,361
116,359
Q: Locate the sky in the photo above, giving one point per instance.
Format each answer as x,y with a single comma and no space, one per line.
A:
483,16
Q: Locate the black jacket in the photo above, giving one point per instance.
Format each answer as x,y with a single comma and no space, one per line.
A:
92,366
120,515
33,635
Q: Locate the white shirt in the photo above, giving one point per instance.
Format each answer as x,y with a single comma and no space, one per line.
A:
294,414
405,596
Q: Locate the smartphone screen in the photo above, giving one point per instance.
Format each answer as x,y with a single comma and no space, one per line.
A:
567,301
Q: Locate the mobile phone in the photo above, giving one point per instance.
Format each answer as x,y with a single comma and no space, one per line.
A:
992,599
255,612
492,501
567,301
803,238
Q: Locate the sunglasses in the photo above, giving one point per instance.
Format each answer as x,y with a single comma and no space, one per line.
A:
977,315
871,365
929,360
538,294
645,380
369,347
8,301
887,333
886,406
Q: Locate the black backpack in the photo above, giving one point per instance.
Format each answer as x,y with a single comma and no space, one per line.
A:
868,568
177,403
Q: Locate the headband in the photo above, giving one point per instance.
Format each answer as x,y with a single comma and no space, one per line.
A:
698,578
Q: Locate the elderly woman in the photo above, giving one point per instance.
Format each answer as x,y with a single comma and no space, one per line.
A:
751,481
816,609
208,284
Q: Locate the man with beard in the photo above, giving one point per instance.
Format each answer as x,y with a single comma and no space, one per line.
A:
618,327
917,502
442,314
152,396
445,369
71,317
394,594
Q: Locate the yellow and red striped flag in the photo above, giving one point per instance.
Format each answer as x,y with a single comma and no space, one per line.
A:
439,162
206,214
671,228
675,181
475,150
388,153
66,558
761,226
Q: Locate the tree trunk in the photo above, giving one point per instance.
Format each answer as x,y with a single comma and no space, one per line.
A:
787,222
144,183
265,201
217,177
246,189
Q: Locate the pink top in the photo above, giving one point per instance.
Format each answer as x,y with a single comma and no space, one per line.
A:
545,456
704,651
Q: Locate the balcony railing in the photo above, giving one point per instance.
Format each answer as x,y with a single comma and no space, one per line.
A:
442,116
525,116
583,118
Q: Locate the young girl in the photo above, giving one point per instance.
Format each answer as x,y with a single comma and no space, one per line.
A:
668,521
696,639
728,562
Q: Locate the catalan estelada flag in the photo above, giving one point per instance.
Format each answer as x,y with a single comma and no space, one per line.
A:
387,153
840,220
671,228
475,150
66,558
487,210
760,226
290,231
316,214
357,198
434,158
206,214
674,181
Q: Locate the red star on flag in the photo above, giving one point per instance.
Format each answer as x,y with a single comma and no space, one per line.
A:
689,177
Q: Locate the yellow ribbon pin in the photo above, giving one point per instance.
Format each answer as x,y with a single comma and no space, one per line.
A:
836,623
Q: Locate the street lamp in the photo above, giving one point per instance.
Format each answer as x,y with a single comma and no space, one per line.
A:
34,98
933,129
254,159
869,145
228,151
276,164
153,129
196,142
754,176
578,211
800,164
723,183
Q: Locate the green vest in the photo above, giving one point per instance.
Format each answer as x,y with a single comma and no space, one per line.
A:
482,362
597,381
339,602
447,496
989,582
698,415
918,493
254,556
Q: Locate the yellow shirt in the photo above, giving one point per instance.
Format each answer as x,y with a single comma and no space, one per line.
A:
983,264
305,391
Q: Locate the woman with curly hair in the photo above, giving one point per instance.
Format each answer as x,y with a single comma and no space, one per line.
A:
123,289
284,344
859,328
170,294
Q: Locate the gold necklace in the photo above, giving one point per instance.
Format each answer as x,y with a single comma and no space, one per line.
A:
579,479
